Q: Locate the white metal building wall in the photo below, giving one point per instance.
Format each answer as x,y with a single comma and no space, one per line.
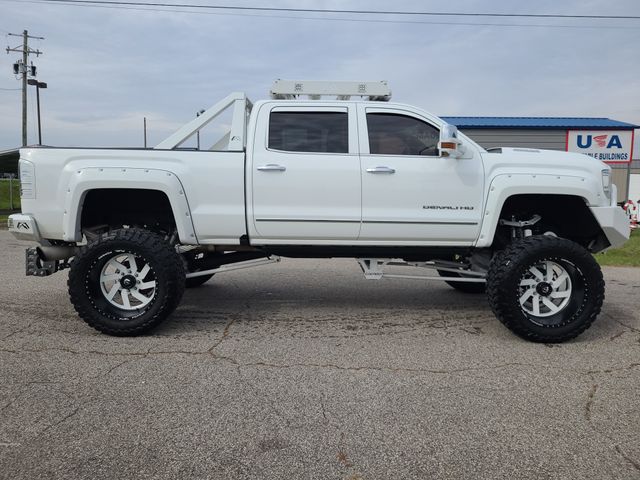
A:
549,139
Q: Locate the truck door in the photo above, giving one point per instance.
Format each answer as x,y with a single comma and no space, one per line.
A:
410,192
305,174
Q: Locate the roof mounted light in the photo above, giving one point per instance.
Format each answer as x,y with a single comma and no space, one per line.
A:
294,89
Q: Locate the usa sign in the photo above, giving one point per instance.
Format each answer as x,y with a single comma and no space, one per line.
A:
611,146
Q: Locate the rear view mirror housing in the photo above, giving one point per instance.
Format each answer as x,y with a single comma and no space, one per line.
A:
450,145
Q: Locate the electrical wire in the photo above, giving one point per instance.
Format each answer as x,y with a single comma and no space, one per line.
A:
353,12
356,20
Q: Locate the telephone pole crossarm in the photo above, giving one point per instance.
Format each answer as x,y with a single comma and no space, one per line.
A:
22,35
29,51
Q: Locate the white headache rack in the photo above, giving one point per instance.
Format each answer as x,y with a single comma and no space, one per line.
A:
235,137
315,90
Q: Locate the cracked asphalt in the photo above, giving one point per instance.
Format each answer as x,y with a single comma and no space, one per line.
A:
303,369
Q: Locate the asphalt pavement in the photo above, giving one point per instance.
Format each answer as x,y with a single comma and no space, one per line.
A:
304,369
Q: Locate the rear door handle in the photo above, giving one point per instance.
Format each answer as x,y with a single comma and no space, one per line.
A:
272,167
381,169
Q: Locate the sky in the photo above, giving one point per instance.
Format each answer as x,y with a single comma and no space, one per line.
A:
108,68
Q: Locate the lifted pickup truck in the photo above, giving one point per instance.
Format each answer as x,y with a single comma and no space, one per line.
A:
301,175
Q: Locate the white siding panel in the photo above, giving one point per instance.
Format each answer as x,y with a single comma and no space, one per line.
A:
506,137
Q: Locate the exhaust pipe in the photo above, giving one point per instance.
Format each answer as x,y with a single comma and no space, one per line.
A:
57,252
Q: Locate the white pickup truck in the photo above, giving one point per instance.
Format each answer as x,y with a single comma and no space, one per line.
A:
301,175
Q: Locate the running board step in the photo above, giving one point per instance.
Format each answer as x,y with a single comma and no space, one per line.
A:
256,262
373,269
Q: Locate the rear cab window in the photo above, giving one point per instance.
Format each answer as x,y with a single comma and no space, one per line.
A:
309,131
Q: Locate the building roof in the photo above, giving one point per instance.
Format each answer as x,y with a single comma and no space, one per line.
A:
537,122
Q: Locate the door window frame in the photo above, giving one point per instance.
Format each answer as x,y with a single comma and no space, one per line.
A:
352,127
364,130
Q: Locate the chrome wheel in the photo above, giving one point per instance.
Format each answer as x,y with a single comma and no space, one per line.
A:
545,289
127,281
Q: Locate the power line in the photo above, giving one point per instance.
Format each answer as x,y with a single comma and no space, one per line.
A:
352,12
335,19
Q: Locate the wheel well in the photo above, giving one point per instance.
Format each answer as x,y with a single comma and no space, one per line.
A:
115,207
568,216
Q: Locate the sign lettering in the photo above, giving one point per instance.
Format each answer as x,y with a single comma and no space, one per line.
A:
612,146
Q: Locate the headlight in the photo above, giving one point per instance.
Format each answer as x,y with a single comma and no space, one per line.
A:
606,182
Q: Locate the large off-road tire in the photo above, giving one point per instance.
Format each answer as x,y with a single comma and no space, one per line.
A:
545,289
466,287
126,282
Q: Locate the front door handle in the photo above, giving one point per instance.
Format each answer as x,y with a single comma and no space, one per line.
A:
381,169
272,167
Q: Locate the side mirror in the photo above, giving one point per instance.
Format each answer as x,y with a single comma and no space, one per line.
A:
450,145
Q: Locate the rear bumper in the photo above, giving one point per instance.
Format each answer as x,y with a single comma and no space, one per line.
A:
44,260
23,227
614,223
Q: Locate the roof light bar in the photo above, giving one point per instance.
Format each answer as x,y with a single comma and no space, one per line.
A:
293,89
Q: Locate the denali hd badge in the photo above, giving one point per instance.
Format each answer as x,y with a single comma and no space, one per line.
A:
447,207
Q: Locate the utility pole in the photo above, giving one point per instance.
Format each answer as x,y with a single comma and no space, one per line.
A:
24,70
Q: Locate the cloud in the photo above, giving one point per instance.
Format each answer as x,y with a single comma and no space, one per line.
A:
108,68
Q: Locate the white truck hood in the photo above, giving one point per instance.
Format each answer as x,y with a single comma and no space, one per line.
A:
532,160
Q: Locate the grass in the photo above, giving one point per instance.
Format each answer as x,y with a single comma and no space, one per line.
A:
4,194
626,256
4,198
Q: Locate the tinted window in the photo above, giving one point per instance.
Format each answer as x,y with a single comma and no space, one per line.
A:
391,134
324,132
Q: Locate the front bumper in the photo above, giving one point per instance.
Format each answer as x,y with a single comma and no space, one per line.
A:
23,227
614,223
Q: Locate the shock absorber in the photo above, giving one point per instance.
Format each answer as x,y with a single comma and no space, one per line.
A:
518,227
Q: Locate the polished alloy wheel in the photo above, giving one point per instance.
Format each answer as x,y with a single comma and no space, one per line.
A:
127,281
545,289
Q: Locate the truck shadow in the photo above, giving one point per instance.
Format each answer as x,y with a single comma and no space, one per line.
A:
352,307
361,295
336,309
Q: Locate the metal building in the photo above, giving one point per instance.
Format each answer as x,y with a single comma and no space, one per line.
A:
598,137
